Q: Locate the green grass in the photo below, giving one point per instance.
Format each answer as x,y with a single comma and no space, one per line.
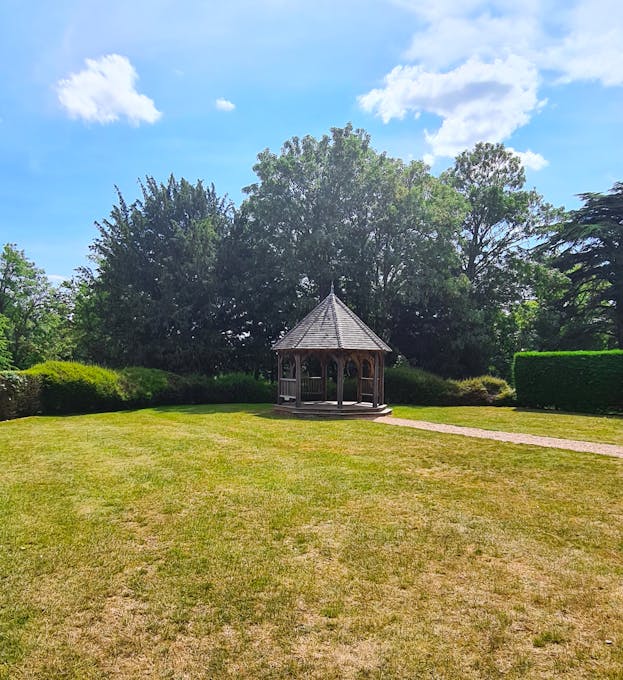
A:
606,429
223,542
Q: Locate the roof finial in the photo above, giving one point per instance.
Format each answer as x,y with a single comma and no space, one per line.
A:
332,291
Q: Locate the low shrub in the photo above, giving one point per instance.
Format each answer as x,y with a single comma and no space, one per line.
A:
406,385
570,381
151,387
236,388
70,387
485,390
20,395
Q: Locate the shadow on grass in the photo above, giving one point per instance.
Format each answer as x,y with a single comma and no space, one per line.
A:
264,411
207,409
575,414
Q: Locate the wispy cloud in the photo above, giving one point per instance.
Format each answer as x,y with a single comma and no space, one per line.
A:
105,91
479,64
57,279
224,104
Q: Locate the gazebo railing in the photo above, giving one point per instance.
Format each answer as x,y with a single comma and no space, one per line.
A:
311,385
287,388
367,388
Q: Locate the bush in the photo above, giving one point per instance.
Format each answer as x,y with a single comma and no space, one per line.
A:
69,387
20,395
236,388
570,381
405,385
151,387
485,390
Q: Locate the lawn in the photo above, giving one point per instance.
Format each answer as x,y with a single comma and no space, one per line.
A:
606,429
223,542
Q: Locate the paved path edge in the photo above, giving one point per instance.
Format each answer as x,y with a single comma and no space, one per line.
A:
512,437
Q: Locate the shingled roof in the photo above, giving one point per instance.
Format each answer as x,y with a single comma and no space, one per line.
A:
331,325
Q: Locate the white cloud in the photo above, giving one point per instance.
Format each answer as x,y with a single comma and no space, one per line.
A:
224,104
478,65
57,278
476,101
530,159
105,91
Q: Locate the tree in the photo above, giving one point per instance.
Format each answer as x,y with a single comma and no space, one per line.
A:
588,248
33,316
152,300
502,221
334,210
502,216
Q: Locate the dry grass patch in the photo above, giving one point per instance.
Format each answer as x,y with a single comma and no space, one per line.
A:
225,542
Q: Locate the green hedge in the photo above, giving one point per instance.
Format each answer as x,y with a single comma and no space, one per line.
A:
405,385
57,387
70,387
20,395
570,381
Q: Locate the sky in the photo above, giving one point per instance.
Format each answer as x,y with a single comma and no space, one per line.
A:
96,95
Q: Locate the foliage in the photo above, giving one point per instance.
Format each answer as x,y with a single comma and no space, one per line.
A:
34,315
502,215
485,390
152,299
588,248
334,210
571,381
493,247
70,387
20,395
406,385
6,359
152,386
236,388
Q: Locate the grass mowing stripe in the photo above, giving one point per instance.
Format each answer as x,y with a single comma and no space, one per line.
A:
226,542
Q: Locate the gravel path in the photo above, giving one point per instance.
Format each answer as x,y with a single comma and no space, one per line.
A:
513,437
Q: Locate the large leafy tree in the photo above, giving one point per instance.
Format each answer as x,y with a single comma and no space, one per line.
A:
588,248
151,298
496,236
502,214
334,210
34,315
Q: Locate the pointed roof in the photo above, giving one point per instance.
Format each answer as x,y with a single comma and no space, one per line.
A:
331,325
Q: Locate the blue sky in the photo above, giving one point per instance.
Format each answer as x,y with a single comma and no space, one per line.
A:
97,94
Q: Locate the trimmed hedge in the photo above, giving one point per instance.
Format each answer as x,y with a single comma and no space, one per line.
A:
56,387
570,381
70,387
20,395
405,385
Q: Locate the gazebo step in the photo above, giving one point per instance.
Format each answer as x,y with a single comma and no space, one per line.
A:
329,409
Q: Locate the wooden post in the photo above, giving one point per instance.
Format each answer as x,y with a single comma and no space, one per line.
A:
382,380
323,368
279,376
297,359
340,381
359,381
375,398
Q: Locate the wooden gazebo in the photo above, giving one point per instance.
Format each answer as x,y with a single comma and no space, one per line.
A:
328,342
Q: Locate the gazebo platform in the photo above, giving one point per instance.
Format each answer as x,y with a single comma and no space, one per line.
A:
330,409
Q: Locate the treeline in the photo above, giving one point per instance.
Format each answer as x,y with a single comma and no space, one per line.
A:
456,272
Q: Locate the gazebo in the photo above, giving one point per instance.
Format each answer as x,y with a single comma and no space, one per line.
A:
329,342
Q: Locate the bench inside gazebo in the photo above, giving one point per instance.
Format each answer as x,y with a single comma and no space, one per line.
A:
328,343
